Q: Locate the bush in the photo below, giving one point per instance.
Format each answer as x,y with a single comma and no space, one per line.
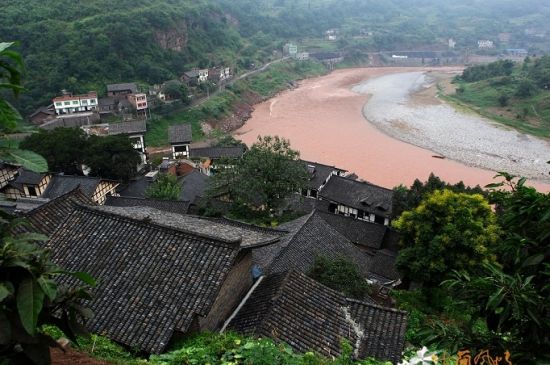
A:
340,274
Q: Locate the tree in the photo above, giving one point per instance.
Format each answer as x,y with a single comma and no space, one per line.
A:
166,187
447,231
30,297
340,274
111,157
177,90
11,68
63,148
526,88
268,173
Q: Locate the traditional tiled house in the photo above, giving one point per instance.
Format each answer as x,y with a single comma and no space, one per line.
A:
8,172
319,174
95,188
42,114
360,200
209,158
180,137
135,130
307,238
309,316
219,74
122,90
173,206
26,184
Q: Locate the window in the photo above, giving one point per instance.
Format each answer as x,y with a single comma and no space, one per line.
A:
75,102
32,191
84,102
67,103
378,219
92,101
58,103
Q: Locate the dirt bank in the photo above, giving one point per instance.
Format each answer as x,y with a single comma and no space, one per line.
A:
323,120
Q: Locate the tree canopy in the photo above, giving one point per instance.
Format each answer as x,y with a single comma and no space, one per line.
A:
268,173
446,231
341,275
67,149
166,187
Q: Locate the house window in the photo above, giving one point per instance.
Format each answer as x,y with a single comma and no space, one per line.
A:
92,101
313,193
84,102
75,102
378,219
32,191
58,104
67,103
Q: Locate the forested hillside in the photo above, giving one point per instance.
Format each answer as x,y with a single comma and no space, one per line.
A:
82,45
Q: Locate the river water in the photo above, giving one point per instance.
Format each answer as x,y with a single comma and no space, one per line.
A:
461,136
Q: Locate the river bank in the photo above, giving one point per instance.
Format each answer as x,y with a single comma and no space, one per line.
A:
323,119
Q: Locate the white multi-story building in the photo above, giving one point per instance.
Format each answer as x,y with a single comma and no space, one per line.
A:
71,104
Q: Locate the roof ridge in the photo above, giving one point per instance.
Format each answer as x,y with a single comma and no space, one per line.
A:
234,242
76,190
377,306
153,199
364,182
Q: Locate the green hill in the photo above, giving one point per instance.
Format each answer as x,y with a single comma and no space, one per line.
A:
517,95
82,45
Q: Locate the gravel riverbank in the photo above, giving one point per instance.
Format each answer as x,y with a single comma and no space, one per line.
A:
457,135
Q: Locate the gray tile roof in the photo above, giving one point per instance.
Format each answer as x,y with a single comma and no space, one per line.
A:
217,152
319,173
383,330
309,238
382,266
152,280
359,195
47,217
367,234
309,316
181,133
137,126
131,86
62,184
28,177
221,229
173,206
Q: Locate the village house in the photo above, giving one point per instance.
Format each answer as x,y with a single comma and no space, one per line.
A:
8,171
290,49
219,74
42,115
209,159
331,34
319,174
195,77
71,120
308,237
295,309
160,276
31,189
71,104
122,90
139,102
485,44
180,137
360,200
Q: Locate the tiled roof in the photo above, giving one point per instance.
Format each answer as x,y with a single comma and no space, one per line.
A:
191,74
383,330
62,184
359,195
28,177
173,206
122,87
90,95
152,280
181,133
138,126
312,317
46,218
217,152
319,173
310,237
248,236
367,234
297,310
382,266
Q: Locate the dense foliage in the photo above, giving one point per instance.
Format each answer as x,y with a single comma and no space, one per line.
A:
67,149
268,173
166,187
11,67
446,231
30,297
409,198
81,46
499,305
341,275
513,94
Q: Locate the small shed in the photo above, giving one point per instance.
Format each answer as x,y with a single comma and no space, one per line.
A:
180,137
